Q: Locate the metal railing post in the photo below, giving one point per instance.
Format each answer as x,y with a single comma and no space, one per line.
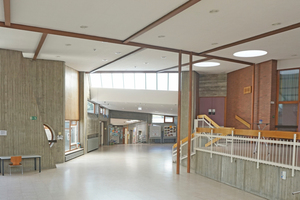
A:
211,142
258,145
294,151
231,145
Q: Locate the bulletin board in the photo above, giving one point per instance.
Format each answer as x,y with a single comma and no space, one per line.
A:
155,132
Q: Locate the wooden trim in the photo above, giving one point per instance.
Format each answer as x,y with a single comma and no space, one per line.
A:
288,69
37,51
252,98
214,97
242,121
288,102
120,58
227,59
277,100
124,72
6,5
267,34
162,19
190,115
89,37
186,64
179,114
208,119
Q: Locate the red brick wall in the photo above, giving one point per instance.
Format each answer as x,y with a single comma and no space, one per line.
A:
238,103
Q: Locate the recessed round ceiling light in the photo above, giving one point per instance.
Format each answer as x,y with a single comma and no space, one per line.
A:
206,64
276,24
250,53
214,43
163,57
104,60
58,56
139,108
83,26
146,63
214,11
161,36
294,55
118,53
68,45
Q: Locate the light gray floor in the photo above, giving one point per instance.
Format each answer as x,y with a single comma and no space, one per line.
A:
120,172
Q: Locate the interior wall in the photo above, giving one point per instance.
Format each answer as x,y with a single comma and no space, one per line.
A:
31,88
212,85
72,94
238,103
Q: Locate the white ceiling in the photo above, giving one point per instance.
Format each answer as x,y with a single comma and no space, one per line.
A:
195,29
122,122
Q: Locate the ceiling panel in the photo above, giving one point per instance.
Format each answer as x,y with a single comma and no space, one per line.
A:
196,29
148,60
82,55
107,18
279,47
23,41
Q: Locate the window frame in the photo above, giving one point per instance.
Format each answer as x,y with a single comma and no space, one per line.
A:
78,139
170,117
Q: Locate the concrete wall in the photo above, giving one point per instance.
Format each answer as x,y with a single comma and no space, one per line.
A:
212,85
264,182
31,88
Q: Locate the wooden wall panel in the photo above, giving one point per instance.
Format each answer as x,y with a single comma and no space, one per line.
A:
72,94
30,88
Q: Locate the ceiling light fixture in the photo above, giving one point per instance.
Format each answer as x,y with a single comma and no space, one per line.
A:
68,45
58,56
206,64
294,55
139,108
146,63
214,43
83,26
118,53
163,57
104,60
250,53
213,11
161,36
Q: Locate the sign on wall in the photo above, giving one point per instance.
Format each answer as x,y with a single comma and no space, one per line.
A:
3,132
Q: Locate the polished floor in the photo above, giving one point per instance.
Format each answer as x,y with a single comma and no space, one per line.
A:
119,172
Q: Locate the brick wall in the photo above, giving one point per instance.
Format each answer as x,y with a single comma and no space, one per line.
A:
238,103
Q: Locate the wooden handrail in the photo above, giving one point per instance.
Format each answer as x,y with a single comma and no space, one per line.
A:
208,120
242,121
254,133
184,140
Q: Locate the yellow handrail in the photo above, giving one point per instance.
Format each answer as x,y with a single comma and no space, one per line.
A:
242,121
193,135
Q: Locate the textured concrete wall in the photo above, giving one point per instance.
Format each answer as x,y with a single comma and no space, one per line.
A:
264,182
31,88
212,85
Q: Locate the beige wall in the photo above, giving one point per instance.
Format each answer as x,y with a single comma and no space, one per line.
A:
72,94
31,88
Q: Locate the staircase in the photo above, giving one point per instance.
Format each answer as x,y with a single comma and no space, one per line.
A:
205,122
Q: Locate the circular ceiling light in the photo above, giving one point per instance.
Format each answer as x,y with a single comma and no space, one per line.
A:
161,36
207,64
276,24
83,26
250,53
68,45
213,11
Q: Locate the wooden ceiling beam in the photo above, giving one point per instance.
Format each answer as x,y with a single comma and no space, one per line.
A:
42,40
90,37
270,33
228,60
186,64
162,19
126,72
120,58
6,5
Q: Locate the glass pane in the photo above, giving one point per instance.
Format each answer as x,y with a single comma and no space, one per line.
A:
128,81
169,119
90,107
73,135
157,119
287,115
162,81
118,81
106,80
288,85
95,80
67,124
173,81
151,81
140,81
67,147
48,133
101,110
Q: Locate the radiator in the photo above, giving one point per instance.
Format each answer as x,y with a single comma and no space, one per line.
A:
92,144
73,155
